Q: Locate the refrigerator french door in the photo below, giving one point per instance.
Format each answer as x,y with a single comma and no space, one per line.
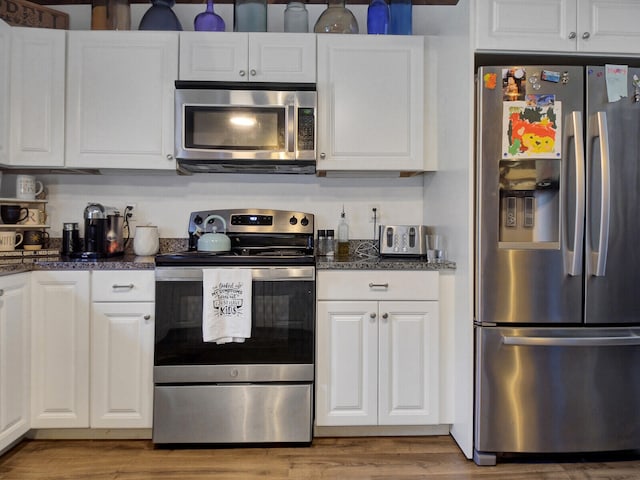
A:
557,307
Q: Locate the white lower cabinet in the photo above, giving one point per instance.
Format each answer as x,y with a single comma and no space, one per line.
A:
60,349
122,349
14,358
377,348
92,349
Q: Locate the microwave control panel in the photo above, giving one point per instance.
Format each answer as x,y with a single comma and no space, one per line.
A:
306,128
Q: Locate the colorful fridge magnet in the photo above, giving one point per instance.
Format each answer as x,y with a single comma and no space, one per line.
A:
490,80
531,131
513,83
616,81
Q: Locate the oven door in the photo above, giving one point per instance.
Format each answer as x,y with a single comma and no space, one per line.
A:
281,346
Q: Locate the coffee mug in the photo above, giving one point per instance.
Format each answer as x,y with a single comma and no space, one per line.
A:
34,239
12,214
27,187
9,241
34,217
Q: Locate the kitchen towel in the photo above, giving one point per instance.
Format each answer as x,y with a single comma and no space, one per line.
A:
226,305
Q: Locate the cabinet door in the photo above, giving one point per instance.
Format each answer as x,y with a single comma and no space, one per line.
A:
37,97
608,26
5,48
347,363
14,358
60,349
122,364
120,108
522,25
370,102
286,57
409,366
214,56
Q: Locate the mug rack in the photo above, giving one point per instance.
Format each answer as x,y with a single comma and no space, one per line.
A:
26,204
25,255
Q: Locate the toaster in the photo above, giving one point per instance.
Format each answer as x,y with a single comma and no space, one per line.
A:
404,240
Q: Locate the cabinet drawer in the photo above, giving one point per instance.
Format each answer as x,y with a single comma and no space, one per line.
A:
377,285
123,286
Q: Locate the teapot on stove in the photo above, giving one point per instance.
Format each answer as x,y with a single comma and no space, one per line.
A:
214,242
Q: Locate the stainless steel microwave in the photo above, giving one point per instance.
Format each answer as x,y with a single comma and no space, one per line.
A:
245,127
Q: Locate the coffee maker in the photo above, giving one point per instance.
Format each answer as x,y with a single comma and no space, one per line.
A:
103,232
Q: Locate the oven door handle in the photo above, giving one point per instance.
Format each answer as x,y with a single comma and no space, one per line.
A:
258,274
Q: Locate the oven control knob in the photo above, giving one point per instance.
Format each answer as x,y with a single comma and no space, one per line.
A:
304,222
197,220
293,220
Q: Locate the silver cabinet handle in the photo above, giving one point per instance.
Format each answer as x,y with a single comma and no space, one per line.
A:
169,157
242,73
323,155
372,315
252,72
128,286
385,315
378,285
572,35
586,35
147,316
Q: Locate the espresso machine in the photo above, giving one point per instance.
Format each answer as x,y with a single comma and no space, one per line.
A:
103,232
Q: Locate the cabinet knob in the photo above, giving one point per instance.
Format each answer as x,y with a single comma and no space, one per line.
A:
323,155
586,35
116,286
147,317
385,315
169,157
572,35
253,73
242,73
372,315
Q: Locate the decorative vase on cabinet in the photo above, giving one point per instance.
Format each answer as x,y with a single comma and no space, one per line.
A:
160,16
336,19
250,16
400,18
378,17
296,18
208,21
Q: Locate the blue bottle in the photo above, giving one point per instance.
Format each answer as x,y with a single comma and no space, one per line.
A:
378,17
400,17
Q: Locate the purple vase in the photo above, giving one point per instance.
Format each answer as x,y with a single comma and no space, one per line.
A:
208,21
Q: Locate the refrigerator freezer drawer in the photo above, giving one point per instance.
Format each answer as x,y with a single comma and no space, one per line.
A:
541,390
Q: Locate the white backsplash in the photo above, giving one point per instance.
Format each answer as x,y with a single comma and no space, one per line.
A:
166,200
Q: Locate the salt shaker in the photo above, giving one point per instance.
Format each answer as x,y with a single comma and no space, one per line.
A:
331,247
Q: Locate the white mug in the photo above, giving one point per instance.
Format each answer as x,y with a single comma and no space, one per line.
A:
146,241
9,241
34,217
27,187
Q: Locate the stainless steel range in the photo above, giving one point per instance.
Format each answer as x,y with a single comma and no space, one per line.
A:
261,389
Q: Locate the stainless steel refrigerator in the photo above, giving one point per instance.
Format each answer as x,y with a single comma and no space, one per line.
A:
557,302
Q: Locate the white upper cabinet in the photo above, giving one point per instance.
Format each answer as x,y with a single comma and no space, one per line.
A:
37,80
254,57
5,47
599,26
370,103
120,109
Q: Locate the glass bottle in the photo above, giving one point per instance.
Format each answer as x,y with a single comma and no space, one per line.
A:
378,17
336,19
250,16
160,16
296,18
343,237
118,15
208,21
400,18
99,15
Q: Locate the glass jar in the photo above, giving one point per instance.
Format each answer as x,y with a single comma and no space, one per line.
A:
118,15
296,18
378,17
400,18
250,16
208,21
160,16
336,19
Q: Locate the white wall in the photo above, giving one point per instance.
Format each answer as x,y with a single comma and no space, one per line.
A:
166,200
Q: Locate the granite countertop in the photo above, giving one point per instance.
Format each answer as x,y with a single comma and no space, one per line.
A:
125,262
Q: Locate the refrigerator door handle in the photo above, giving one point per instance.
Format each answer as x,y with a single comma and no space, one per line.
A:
598,259
574,256
632,340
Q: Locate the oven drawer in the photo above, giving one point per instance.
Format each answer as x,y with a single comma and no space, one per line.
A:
227,413
377,285
123,286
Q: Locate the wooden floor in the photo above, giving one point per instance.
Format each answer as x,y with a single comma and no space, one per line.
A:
399,458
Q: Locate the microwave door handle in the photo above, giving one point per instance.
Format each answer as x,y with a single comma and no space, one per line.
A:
291,144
